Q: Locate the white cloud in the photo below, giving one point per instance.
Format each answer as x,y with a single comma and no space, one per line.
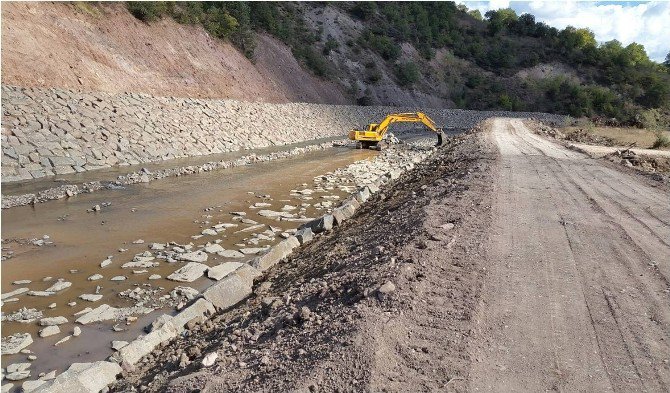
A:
647,23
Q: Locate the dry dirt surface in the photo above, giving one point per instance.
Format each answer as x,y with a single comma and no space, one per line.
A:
323,323
102,47
576,295
505,263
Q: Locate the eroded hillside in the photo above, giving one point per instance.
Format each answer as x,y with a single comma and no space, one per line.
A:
104,48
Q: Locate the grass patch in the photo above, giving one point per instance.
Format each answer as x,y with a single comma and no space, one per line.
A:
88,8
624,136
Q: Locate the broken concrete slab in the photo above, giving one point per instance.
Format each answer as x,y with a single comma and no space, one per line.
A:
194,256
304,235
90,297
53,321
49,331
220,271
214,248
83,377
59,286
139,348
320,224
230,254
189,272
228,292
15,343
201,308
105,312
13,293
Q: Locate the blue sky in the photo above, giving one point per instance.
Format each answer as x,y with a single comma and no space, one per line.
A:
644,22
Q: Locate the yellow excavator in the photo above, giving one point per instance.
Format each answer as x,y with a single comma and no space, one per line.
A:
373,135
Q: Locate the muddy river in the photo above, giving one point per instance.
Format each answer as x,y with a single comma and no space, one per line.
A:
168,210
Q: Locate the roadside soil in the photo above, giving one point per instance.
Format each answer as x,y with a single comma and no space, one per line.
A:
320,321
553,277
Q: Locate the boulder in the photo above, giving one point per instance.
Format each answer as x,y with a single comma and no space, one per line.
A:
220,271
278,252
189,272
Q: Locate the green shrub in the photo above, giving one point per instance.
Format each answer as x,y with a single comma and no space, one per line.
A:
662,141
148,11
407,73
330,45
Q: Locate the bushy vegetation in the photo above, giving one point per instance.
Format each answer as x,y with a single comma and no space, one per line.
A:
610,81
236,20
614,81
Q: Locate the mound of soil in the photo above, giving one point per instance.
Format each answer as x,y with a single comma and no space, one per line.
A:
385,301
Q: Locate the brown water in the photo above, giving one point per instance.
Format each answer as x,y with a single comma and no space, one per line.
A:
111,173
165,211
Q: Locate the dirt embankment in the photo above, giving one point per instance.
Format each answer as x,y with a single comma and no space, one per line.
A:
361,309
457,278
104,48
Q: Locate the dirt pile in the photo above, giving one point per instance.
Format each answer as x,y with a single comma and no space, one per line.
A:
363,306
104,48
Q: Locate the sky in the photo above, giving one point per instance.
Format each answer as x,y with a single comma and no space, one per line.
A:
644,22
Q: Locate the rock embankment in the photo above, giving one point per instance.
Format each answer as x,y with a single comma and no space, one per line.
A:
54,131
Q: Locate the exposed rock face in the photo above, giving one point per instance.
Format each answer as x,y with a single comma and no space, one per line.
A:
54,131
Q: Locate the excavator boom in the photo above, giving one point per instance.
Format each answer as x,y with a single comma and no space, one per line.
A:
374,132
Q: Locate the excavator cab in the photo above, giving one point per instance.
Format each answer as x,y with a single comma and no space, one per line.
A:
372,136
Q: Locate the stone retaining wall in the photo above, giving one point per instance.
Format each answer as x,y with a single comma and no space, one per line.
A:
53,131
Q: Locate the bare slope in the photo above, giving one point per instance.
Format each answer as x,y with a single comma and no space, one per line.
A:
106,49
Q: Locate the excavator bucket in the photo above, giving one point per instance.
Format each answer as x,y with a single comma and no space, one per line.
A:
440,138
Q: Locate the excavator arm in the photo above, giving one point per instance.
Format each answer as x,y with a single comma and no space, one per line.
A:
374,132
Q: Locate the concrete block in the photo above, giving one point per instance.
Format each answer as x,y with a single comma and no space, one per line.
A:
228,292
276,254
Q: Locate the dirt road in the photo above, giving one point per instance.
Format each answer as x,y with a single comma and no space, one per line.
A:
576,295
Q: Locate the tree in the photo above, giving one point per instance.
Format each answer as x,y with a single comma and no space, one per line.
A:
476,14
500,19
667,60
635,55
